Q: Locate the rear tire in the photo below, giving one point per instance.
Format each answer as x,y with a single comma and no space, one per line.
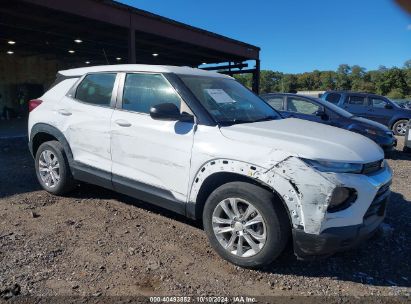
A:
242,215
399,128
52,168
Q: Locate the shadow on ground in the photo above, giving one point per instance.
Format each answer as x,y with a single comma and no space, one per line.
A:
382,261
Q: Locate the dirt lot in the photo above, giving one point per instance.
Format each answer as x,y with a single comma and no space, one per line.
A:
96,242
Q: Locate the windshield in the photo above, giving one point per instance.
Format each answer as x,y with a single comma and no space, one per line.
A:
227,101
334,108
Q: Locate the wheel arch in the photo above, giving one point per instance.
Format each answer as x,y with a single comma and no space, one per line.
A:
42,132
395,119
213,180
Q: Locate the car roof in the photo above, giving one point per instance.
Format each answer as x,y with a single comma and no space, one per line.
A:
290,94
140,68
316,99
349,92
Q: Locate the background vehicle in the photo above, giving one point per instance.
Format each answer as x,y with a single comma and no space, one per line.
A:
403,103
407,141
315,109
371,106
202,145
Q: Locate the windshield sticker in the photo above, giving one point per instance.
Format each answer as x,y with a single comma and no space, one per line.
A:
220,96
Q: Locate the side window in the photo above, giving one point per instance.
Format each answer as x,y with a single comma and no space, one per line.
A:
96,89
276,102
357,100
378,103
302,106
333,98
142,91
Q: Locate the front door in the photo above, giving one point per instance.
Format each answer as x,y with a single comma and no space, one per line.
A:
149,155
302,108
357,105
380,110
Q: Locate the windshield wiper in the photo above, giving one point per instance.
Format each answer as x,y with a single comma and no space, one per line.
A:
242,121
267,118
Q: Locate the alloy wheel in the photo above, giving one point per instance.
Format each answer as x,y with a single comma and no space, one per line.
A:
401,128
49,168
239,227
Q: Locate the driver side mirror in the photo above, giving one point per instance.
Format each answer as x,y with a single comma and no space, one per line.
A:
388,106
169,111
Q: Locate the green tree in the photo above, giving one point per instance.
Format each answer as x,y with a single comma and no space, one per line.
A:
289,83
391,79
357,78
343,81
244,79
407,67
328,80
270,81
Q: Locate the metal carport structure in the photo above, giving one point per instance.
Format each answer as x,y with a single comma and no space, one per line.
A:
81,32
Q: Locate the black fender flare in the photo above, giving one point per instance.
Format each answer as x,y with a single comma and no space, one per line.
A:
53,131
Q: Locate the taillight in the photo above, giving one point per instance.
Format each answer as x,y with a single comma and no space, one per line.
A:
34,103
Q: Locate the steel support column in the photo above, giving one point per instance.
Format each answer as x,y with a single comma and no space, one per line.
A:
256,77
132,46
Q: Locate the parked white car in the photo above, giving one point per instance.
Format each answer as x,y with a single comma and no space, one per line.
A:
202,145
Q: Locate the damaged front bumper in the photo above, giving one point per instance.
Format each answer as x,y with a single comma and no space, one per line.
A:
335,239
332,240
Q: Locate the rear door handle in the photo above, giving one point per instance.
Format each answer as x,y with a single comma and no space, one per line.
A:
123,123
64,112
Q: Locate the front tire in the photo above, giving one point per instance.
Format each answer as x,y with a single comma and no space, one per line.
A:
245,225
52,168
400,127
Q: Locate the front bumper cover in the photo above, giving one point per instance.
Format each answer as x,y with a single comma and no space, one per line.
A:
336,239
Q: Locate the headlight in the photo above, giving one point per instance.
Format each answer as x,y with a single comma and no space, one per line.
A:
341,198
330,166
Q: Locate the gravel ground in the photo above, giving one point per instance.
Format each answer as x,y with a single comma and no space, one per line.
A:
95,242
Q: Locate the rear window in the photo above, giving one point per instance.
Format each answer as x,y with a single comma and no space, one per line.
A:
333,98
96,89
275,101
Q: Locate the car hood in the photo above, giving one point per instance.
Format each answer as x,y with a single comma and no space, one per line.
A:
371,123
306,139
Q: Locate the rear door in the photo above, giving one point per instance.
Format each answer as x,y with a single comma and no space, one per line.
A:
380,109
356,104
84,118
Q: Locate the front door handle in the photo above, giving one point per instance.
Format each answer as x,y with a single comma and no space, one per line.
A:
64,112
123,123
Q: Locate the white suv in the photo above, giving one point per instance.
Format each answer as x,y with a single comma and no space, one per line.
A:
202,145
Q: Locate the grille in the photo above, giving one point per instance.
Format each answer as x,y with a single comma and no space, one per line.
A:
372,167
379,203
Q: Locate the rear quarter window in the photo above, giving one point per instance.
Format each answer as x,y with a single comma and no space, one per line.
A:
333,98
60,89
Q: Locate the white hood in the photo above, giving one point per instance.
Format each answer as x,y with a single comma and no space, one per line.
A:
307,139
